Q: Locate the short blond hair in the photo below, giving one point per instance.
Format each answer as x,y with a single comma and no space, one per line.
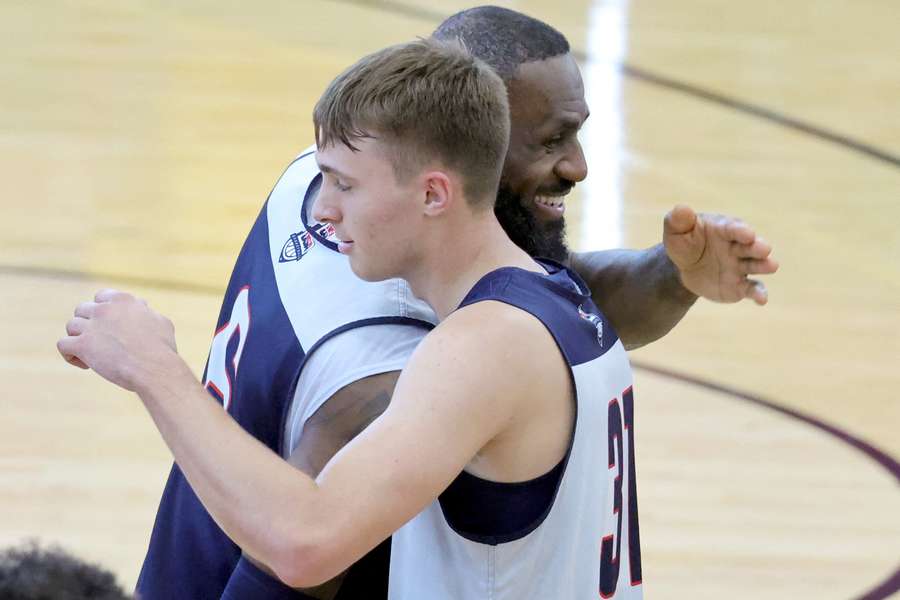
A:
428,100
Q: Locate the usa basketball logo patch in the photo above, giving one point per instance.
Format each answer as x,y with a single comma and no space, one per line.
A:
297,246
594,320
325,230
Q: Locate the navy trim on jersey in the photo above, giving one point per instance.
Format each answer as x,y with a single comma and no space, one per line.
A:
286,169
573,336
506,511
311,192
492,512
249,581
366,578
346,327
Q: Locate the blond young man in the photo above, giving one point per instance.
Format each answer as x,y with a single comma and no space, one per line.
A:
522,385
307,373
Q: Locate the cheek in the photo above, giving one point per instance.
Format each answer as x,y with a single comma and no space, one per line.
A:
528,170
383,223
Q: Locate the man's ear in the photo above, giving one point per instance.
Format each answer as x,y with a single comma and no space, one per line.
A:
439,193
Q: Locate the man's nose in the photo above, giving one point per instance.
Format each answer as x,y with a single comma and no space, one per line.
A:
572,166
324,209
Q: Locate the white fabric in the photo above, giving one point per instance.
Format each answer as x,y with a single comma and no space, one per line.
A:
561,557
320,292
343,359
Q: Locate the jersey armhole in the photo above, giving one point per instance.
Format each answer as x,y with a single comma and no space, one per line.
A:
348,354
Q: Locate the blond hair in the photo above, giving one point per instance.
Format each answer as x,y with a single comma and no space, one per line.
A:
429,100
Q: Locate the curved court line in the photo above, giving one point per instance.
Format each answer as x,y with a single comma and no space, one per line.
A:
761,112
641,74
891,584
66,275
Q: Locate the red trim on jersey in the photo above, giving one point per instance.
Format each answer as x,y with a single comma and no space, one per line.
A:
210,384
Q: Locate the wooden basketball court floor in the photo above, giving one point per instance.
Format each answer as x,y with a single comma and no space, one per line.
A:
138,141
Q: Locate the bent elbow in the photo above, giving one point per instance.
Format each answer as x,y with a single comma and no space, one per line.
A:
304,563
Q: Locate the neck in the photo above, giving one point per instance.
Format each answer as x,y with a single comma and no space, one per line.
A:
458,255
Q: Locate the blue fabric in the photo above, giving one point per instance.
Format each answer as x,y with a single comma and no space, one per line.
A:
560,300
367,579
490,512
190,557
248,582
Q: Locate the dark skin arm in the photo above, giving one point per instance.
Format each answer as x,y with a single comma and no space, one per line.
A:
644,293
639,291
341,418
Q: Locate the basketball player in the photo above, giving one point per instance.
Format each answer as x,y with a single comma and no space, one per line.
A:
289,276
289,272
523,381
513,385
334,398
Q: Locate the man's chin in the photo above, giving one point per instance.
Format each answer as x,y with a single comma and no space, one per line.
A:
540,235
550,240
547,215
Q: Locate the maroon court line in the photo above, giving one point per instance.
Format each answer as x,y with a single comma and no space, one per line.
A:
675,85
889,586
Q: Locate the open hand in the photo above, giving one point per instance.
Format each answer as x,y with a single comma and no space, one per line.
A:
715,255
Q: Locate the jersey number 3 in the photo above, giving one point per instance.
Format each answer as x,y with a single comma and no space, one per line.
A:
612,544
226,349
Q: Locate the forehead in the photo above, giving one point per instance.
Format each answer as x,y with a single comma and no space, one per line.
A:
547,90
369,155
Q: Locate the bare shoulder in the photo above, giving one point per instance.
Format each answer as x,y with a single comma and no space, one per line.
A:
488,344
487,327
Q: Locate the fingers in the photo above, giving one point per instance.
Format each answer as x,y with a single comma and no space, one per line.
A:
759,248
681,219
736,230
754,266
756,291
110,295
68,348
76,326
86,310
76,362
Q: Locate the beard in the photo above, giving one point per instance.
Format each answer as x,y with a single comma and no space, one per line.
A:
544,239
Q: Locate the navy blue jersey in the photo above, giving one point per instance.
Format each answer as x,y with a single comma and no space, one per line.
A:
289,293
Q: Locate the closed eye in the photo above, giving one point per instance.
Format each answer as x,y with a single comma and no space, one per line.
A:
554,142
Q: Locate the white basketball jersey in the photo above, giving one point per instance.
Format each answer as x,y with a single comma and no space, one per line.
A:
586,544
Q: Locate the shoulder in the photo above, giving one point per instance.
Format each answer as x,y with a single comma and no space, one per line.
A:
489,345
485,327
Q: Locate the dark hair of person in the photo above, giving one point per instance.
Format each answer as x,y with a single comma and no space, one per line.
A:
29,572
503,38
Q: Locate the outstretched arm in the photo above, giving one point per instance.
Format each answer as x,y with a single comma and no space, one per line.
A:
645,293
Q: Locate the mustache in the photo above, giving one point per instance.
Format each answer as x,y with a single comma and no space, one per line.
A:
561,189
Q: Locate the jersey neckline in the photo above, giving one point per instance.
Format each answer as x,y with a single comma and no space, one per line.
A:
316,228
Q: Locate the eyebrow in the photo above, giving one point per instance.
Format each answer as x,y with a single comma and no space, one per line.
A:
567,123
573,123
325,168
